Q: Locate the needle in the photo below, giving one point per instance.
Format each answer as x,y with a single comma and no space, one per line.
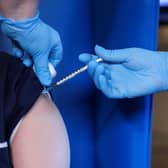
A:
72,75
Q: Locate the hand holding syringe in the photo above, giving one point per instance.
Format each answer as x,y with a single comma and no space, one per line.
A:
72,75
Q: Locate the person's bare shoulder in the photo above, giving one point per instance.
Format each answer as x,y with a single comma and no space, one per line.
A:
44,108
42,129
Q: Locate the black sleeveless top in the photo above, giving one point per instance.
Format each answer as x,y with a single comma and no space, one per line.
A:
19,89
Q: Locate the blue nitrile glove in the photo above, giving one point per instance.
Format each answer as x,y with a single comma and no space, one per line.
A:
128,73
39,40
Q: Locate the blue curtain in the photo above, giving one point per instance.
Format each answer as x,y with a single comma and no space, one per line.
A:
103,133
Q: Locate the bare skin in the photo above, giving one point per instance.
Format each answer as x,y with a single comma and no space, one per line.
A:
41,141
18,9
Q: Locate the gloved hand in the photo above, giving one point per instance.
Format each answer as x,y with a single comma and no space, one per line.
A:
40,41
128,73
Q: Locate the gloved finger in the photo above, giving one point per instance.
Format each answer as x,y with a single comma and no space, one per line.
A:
86,58
56,54
107,73
27,62
103,85
17,51
117,78
99,71
42,69
92,68
109,91
116,56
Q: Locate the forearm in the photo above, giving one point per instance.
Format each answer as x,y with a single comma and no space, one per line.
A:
18,9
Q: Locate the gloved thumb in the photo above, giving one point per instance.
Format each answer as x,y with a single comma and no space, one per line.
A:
52,70
42,70
86,58
116,56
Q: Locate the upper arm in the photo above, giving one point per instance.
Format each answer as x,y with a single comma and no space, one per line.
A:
42,138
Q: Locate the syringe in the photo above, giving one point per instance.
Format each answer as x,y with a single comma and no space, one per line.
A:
72,75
